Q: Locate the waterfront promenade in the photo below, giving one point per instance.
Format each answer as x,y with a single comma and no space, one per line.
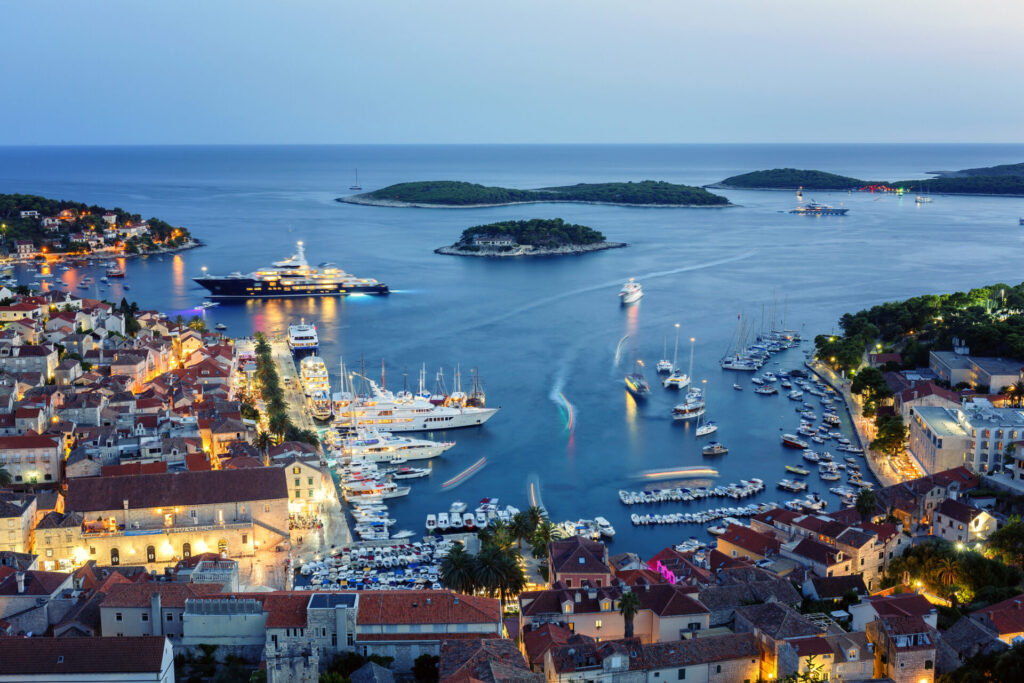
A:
294,397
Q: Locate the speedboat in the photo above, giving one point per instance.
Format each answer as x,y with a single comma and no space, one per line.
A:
707,428
737,387
714,448
631,292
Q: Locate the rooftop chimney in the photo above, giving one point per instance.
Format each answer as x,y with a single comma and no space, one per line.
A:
20,578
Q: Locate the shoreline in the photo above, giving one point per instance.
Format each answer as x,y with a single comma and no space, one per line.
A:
719,186
527,250
191,244
395,204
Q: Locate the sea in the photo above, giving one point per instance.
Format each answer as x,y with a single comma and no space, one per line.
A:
547,336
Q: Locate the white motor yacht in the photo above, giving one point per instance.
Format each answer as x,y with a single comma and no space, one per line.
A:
631,292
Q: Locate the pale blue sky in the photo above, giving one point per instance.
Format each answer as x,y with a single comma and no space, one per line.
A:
488,71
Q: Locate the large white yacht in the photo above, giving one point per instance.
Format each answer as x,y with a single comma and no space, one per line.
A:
375,446
631,292
313,372
302,338
404,413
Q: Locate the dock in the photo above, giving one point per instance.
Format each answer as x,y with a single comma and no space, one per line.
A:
294,398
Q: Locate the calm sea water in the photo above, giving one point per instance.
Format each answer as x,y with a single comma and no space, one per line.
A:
537,328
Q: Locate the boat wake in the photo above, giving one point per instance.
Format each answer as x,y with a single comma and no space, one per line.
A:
533,486
464,476
556,395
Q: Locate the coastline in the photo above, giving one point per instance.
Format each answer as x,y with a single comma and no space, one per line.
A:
528,250
720,186
100,254
395,204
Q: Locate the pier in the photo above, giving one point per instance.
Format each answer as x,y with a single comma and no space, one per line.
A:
294,397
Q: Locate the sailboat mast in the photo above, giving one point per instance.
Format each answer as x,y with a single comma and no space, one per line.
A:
675,354
692,341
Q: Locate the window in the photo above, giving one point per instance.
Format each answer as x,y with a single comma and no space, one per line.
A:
597,623
681,675
296,470
309,493
266,508
186,550
150,553
118,616
245,538
310,481
928,664
145,617
49,552
568,583
170,617
115,557
334,640
297,480
718,668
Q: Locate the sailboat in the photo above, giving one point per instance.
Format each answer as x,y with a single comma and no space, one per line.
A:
356,185
636,383
664,365
705,427
679,379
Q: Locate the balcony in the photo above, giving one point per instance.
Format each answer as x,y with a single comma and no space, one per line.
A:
185,526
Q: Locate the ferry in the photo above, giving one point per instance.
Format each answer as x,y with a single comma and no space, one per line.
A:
302,338
291,277
313,372
631,292
814,209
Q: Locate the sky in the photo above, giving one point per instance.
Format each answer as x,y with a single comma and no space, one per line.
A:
496,71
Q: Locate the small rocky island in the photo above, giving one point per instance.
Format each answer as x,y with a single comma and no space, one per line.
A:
436,194
536,237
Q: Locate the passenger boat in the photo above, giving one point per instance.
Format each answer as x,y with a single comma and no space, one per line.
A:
631,292
636,383
814,209
793,485
302,338
692,406
313,374
114,272
220,326
320,405
291,277
714,448
792,441
737,387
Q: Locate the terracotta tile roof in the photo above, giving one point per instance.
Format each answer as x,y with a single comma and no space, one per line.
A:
172,594
700,650
539,640
167,490
285,609
632,577
488,660
586,656
816,552
779,621
578,555
900,605
750,540
36,583
777,516
1006,616
958,511
67,657
241,462
412,607
197,462
835,587
14,442
805,647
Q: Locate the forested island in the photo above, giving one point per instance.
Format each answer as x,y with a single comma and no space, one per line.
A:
536,237
998,180
459,194
33,226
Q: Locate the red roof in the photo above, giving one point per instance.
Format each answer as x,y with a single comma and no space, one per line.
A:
901,605
1006,616
68,658
805,647
750,540
540,640
173,594
30,441
196,462
426,607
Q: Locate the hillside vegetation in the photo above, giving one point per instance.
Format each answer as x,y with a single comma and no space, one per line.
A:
793,178
538,232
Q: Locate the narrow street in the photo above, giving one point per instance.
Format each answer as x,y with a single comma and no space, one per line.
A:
294,397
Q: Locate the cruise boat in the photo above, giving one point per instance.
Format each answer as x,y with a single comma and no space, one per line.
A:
814,209
405,413
320,405
631,292
374,446
291,277
313,372
302,338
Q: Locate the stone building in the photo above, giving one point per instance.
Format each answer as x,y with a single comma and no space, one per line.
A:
905,649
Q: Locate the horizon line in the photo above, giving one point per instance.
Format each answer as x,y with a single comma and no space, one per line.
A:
479,144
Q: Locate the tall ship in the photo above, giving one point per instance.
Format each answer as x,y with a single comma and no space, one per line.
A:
814,209
292,277
378,408
631,292
313,373
302,338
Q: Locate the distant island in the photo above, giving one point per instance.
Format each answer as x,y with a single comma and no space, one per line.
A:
996,180
458,194
39,227
536,237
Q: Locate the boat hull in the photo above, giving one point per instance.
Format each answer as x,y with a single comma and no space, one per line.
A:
251,288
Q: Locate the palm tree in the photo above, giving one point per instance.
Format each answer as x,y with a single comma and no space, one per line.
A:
498,534
513,576
5,477
542,536
947,571
536,515
457,570
866,503
489,569
522,528
279,424
263,442
629,605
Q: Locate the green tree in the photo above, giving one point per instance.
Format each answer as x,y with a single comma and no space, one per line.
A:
5,477
1008,541
279,424
629,606
263,443
536,515
333,677
425,668
866,503
542,537
457,570
522,528
890,436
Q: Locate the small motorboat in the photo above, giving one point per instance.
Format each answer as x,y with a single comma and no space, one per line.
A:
714,448
737,387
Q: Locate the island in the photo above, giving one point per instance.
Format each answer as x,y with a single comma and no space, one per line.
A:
33,227
536,237
459,194
995,180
